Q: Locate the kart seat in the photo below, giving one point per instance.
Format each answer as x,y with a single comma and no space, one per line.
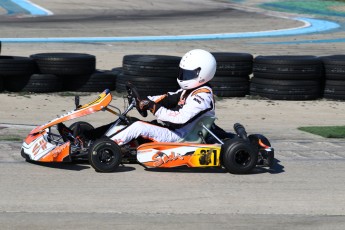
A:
192,136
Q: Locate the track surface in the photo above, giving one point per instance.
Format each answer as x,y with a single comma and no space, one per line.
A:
303,191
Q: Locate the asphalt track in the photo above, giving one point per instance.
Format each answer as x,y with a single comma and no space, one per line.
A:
303,191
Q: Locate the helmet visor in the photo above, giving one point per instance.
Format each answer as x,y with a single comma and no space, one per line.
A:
185,74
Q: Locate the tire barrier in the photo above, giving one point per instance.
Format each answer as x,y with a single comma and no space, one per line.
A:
96,82
1,84
147,85
287,77
334,77
38,83
54,72
151,74
13,66
65,64
232,75
274,77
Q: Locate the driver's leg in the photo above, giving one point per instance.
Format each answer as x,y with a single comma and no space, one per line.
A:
145,130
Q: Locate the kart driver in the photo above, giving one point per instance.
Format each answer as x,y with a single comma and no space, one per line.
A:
180,110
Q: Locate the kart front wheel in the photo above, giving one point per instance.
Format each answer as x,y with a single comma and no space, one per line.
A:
238,156
105,155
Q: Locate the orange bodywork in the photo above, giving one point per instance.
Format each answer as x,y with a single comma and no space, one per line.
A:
168,155
36,145
58,154
100,103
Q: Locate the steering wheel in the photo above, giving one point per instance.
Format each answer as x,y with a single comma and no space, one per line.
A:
133,93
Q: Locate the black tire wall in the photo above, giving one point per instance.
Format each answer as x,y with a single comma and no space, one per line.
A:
274,77
335,77
151,74
65,63
232,74
37,83
287,77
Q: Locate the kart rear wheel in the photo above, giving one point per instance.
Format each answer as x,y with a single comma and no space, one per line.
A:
105,155
238,156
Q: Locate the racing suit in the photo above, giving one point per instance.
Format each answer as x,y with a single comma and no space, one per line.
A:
178,111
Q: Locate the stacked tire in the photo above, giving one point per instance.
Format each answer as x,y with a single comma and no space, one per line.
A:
151,74
287,77
76,71
335,77
232,74
15,73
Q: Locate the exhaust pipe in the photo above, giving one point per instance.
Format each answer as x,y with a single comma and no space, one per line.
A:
241,131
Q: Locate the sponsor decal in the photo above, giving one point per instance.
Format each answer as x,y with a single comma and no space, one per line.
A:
162,158
41,145
198,96
206,157
55,153
197,100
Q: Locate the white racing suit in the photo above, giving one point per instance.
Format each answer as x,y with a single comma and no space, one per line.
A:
177,110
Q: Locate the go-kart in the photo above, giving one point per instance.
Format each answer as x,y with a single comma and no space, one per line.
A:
206,145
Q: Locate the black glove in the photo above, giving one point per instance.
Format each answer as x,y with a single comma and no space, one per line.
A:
147,104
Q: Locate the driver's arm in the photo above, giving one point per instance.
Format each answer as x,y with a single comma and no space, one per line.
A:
169,100
195,105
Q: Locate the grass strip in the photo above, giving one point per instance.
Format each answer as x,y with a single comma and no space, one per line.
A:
10,138
326,131
318,7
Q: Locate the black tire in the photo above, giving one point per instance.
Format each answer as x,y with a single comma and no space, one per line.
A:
288,67
334,89
286,86
336,97
286,89
334,60
289,76
105,155
147,85
233,57
1,84
287,97
233,64
16,66
65,63
97,82
239,156
36,83
288,60
150,69
157,59
231,86
334,67
151,65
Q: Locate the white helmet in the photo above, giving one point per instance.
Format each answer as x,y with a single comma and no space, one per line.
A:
196,68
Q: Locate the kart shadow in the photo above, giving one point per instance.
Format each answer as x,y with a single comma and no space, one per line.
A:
64,166
278,168
185,169
77,166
